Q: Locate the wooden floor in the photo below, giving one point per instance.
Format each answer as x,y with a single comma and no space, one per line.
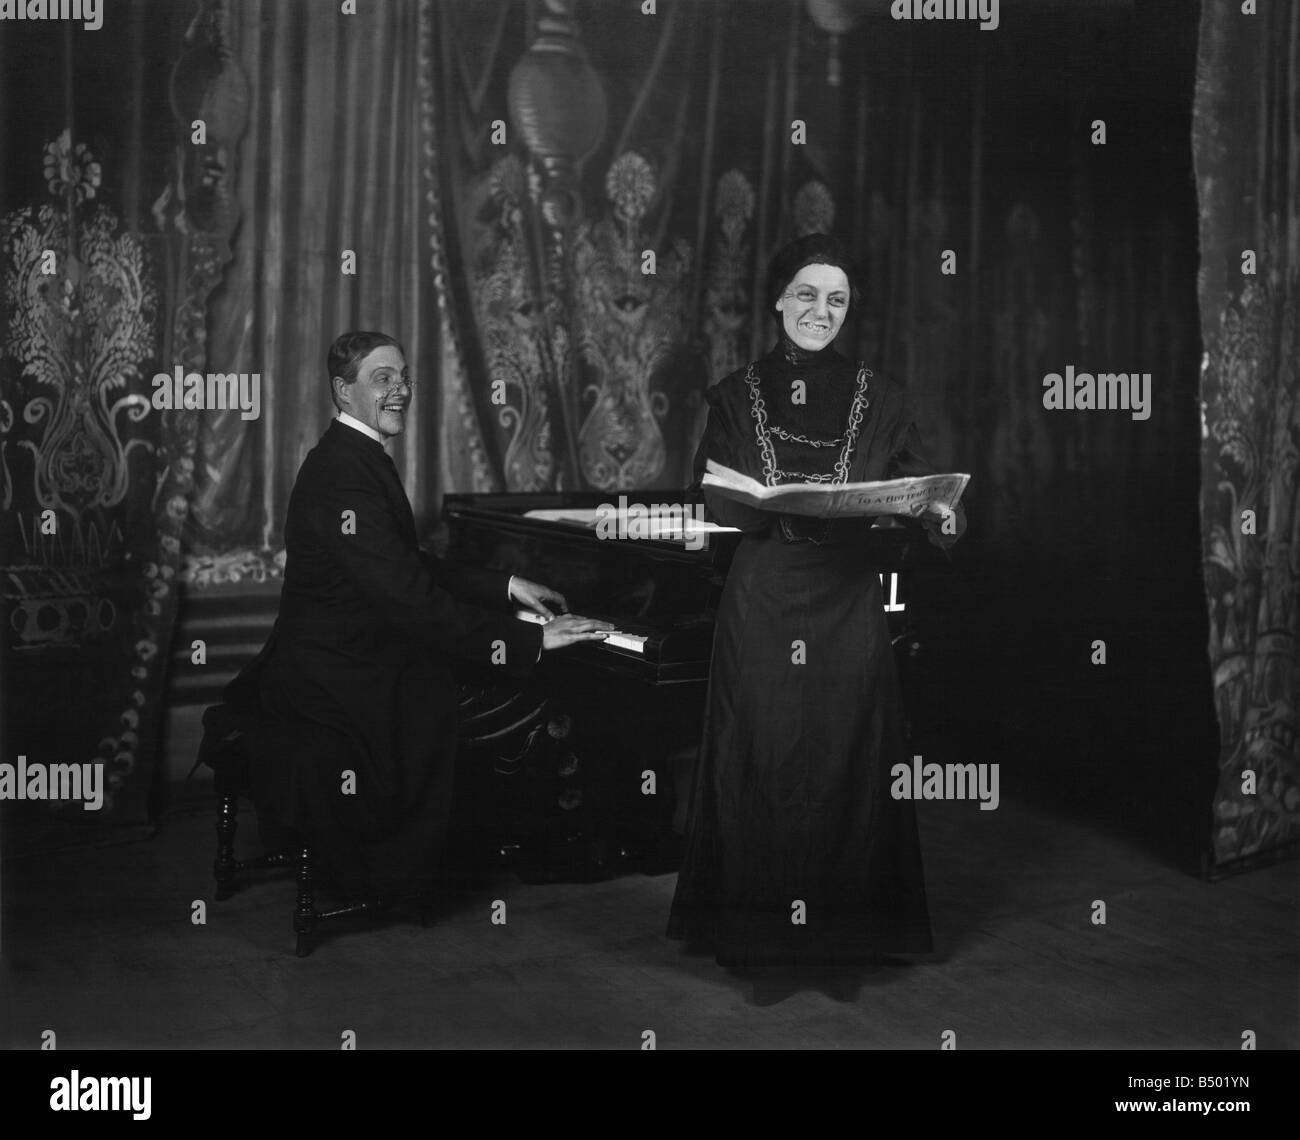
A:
101,948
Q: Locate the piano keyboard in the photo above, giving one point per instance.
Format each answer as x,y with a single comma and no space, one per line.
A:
635,642
617,639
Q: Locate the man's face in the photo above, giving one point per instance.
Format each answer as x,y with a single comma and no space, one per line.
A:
813,306
381,392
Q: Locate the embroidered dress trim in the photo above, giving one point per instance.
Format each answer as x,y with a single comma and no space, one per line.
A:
795,437
763,433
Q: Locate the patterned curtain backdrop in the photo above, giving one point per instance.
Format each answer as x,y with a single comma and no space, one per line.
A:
333,192
509,165
571,139
574,142
1247,141
114,227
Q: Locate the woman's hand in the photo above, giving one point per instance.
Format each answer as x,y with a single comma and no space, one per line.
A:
538,598
569,629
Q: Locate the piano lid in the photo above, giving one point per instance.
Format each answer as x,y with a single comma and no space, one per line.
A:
651,524
655,525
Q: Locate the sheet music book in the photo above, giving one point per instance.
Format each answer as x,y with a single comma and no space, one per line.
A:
910,497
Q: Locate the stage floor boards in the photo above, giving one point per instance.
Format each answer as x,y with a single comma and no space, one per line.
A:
101,948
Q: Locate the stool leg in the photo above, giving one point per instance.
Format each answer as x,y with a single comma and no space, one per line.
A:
304,915
224,867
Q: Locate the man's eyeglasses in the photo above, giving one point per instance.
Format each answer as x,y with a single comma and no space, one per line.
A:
394,384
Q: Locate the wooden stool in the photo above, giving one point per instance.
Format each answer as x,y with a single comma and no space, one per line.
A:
227,748
500,727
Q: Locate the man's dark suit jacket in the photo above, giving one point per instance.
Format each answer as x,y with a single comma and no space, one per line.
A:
357,676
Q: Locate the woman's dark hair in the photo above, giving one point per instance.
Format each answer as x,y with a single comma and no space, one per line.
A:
348,351
811,249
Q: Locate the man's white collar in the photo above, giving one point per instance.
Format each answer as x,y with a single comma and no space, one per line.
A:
365,429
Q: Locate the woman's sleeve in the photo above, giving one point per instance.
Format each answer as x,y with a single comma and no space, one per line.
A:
721,442
908,459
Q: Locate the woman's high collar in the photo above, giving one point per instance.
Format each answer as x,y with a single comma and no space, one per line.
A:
791,354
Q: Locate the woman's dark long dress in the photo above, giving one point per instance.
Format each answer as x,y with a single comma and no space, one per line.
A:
791,801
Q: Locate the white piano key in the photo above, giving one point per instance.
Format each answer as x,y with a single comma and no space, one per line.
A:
629,641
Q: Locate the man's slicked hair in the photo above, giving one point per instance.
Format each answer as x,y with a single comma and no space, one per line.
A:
349,350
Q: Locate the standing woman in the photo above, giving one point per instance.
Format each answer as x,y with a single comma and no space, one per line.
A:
797,858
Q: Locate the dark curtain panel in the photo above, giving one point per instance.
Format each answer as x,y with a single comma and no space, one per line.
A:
1074,249
333,195
1247,144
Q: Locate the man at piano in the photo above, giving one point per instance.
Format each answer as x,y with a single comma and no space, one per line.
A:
358,704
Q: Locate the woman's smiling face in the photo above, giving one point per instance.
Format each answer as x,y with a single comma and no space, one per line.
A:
813,306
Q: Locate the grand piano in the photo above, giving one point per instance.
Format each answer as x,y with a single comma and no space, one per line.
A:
584,772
